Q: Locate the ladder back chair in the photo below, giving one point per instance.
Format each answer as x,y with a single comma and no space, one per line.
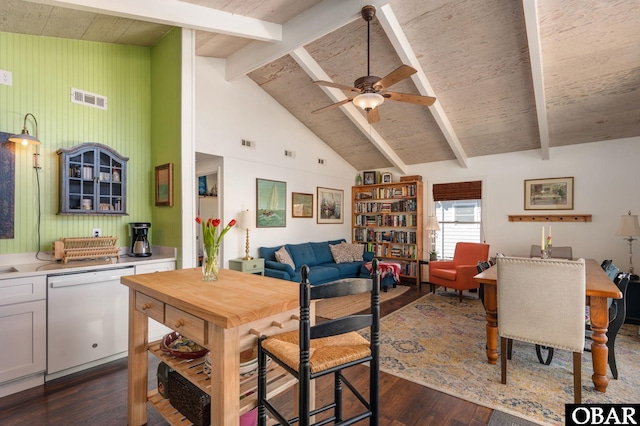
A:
326,348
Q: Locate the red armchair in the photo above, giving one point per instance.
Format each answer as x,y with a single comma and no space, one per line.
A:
458,273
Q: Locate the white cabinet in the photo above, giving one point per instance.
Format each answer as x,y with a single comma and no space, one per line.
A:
156,330
22,333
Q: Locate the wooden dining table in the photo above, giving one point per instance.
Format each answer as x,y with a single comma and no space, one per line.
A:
599,288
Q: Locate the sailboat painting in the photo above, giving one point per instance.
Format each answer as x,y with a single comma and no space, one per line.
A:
271,203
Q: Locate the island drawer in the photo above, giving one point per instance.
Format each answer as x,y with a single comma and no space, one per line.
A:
151,307
186,324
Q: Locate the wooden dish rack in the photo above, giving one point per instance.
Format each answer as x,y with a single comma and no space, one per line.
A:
85,248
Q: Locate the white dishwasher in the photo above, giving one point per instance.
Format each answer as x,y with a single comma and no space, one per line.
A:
87,319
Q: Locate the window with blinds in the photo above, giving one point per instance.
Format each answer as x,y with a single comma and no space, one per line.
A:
458,209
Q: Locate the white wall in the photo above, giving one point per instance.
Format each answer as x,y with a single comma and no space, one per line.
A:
605,186
226,113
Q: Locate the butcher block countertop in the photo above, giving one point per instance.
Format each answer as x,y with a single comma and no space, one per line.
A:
236,298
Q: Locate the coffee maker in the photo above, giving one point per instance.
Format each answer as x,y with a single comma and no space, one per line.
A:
139,239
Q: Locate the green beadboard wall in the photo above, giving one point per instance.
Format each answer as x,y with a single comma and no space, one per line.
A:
166,60
44,71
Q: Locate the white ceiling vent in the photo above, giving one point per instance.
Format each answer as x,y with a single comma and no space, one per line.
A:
290,154
89,99
248,144
322,161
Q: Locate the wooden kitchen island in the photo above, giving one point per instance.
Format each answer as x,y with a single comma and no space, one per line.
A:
224,315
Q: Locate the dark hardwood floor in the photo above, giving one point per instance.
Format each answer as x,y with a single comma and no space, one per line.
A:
98,396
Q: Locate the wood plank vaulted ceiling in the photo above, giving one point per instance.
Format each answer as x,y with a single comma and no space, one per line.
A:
508,75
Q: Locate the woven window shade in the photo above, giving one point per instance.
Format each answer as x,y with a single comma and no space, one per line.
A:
457,191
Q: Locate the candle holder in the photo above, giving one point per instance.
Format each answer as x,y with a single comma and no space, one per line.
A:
546,253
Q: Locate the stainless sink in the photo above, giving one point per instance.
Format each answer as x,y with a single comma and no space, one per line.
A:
7,269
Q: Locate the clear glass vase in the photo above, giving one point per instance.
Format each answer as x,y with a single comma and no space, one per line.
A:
210,266
546,253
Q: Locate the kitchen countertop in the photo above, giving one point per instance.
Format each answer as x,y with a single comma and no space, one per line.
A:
10,266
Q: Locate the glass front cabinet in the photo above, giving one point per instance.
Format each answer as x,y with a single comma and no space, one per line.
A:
93,180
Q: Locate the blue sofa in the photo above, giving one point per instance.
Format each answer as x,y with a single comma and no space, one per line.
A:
317,255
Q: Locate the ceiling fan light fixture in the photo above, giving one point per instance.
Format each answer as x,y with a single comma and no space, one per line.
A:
368,101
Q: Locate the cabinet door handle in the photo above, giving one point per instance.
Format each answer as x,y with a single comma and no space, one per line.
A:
179,323
145,306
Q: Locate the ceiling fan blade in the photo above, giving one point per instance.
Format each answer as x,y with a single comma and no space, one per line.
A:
393,77
337,104
337,85
373,116
412,99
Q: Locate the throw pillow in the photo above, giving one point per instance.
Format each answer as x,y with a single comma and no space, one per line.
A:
282,256
341,253
357,251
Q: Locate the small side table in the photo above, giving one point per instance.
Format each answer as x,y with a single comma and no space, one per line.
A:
423,278
252,266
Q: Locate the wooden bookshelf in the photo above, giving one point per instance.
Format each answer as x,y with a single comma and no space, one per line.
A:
388,219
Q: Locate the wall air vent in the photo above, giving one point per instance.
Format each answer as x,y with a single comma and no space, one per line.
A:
248,144
290,154
322,161
89,99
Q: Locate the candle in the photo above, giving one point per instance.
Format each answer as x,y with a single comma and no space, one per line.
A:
549,234
542,239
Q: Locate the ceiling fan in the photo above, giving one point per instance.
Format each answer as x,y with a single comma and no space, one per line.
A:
372,90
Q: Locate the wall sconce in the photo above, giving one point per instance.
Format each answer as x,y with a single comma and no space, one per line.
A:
245,222
26,139
629,228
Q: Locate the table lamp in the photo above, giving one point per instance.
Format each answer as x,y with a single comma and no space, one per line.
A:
433,226
245,222
629,228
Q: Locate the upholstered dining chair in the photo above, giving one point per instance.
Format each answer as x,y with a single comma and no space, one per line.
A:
559,252
325,348
459,272
617,315
553,314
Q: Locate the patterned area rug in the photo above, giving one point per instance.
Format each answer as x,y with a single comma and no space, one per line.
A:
439,342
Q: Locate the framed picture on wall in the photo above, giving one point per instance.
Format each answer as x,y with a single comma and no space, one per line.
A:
330,205
301,204
164,185
271,203
548,194
386,177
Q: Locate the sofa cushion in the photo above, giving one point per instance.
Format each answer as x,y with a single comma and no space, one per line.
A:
357,251
321,274
282,256
322,251
302,254
269,253
348,269
341,253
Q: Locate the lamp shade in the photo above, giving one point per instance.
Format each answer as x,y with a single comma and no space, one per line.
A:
245,219
368,101
432,224
629,226
25,138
